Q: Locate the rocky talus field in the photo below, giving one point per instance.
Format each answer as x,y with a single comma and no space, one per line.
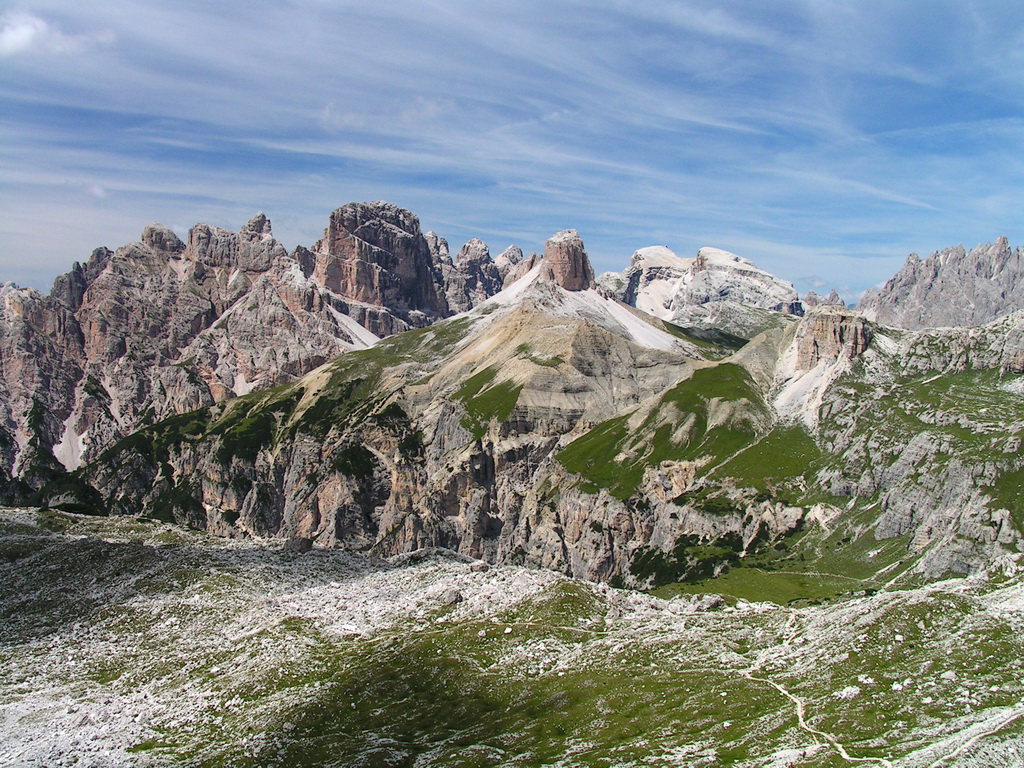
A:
129,642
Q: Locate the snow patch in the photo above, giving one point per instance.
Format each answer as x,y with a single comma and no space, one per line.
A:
241,386
362,336
71,448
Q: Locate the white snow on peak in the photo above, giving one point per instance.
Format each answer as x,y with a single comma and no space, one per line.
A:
662,273
658,256
604,312
611,315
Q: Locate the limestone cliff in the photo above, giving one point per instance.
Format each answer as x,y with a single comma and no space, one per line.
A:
554,426
161,326
951,287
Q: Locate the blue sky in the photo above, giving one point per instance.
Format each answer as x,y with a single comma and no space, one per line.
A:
823,140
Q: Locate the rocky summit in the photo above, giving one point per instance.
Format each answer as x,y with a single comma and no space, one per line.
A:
566,263
715,289
951,287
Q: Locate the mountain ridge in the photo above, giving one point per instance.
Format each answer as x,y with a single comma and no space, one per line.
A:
548,424
952,287
560,428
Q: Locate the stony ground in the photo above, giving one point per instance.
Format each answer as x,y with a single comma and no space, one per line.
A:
131,643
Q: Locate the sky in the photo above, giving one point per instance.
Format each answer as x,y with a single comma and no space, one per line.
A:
824,140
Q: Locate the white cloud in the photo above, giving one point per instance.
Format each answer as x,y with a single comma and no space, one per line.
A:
801,136
334,120
25,32
20,33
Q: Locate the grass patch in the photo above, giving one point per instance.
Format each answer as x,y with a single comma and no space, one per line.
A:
706,338
679,428
785,454
691,559
757,585
485,401
1008,493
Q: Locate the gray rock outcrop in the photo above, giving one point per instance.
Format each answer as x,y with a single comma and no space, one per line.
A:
953,287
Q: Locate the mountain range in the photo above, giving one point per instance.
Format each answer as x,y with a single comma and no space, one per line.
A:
669,423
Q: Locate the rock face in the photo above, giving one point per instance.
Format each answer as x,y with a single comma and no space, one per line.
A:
472,278
951,287
566,263
714,289
374,253
451,462
509,259
161,327
829,333
556,427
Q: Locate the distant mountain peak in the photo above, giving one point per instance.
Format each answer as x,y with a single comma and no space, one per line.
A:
709,289
162,238
952,287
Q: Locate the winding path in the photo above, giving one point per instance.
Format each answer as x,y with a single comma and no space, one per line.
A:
800,707
790,633
1002,723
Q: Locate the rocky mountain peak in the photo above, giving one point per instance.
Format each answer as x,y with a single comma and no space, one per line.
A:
951,287
211,245
378,224
814,299
376,254
511,255
471,278
507,262
161,238
257,228
473,252
566,263
439,253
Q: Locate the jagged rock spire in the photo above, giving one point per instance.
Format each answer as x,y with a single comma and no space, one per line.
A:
161,238
566,263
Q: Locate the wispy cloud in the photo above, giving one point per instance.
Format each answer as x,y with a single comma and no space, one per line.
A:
22,33
812,136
